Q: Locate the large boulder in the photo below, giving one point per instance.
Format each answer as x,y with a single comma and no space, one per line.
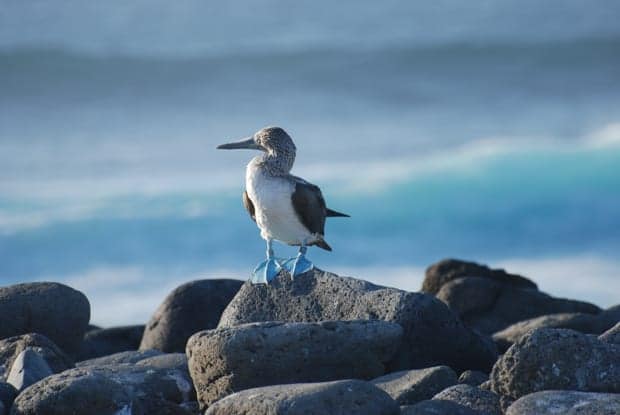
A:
228,360
7,394
318,296
557,359
354,397
190,308
29,367
54,310
433,407
473,378
133,356
478,400
12,347
411,386
123,388
491,300
566,403
102,342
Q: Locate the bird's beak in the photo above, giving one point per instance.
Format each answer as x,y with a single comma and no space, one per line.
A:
248,143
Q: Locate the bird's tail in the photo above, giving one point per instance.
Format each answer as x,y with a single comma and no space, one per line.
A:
334,214
322,244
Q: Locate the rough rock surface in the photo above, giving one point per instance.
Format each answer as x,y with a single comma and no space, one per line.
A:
11,348
344,397
432,407
319,296
612,335
122,357
411,386
190,308
559,359
476,399
473,378
491,300
135,389
7,394
566,403
28,367
228,360
54,310
103,342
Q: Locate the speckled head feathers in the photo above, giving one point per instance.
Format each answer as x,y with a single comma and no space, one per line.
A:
274,139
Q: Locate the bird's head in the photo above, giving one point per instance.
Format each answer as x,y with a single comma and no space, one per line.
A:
272,140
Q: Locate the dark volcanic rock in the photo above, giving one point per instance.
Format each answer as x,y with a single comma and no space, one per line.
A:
491,300
447,270
476,399
103,342
54,310
7,394
122,357
228,360
432,407
342,397
473,378
411,386
135,389
319,296
190,308
10,348
566,403
612,335
557,359
28,367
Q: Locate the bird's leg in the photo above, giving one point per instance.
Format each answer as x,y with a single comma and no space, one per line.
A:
299,265
267,270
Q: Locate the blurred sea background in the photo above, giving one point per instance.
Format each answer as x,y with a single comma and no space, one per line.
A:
483,130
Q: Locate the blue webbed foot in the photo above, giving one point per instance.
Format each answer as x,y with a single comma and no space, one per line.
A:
298,265
266,271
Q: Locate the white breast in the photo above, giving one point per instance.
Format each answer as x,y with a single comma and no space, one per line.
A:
273,208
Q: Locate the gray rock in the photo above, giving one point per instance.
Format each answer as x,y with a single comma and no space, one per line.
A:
344,397
28,367
319,296
476,399
447,270
473,378
135,389
54,310
190,308
432,407
102,342
557,359
566,403
7,395
121,357
228,360
10,348
166,361
411,386
612,335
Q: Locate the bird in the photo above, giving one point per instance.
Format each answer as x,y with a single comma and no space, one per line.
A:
286,208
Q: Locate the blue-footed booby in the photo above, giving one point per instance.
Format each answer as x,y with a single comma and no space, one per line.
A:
286,208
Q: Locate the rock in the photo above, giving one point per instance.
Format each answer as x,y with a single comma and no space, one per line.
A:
448,270
122,357
612,335
103,342
319,296
28,367
228,360
559,359
476,399
582,322
190,308
7,395
339,397
490,304
54,310
566,403
166,361
432,407
132,388
411,386
10,348
473,378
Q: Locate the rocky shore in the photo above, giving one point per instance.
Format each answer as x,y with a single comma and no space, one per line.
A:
473,341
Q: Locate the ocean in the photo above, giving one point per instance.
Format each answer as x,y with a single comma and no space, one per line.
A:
486,131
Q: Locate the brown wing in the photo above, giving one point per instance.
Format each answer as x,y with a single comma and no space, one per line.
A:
310,207
249,206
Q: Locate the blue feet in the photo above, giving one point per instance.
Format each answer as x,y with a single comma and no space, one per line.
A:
298,265
266,271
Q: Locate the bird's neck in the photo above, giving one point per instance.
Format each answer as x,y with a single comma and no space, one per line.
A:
276,163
